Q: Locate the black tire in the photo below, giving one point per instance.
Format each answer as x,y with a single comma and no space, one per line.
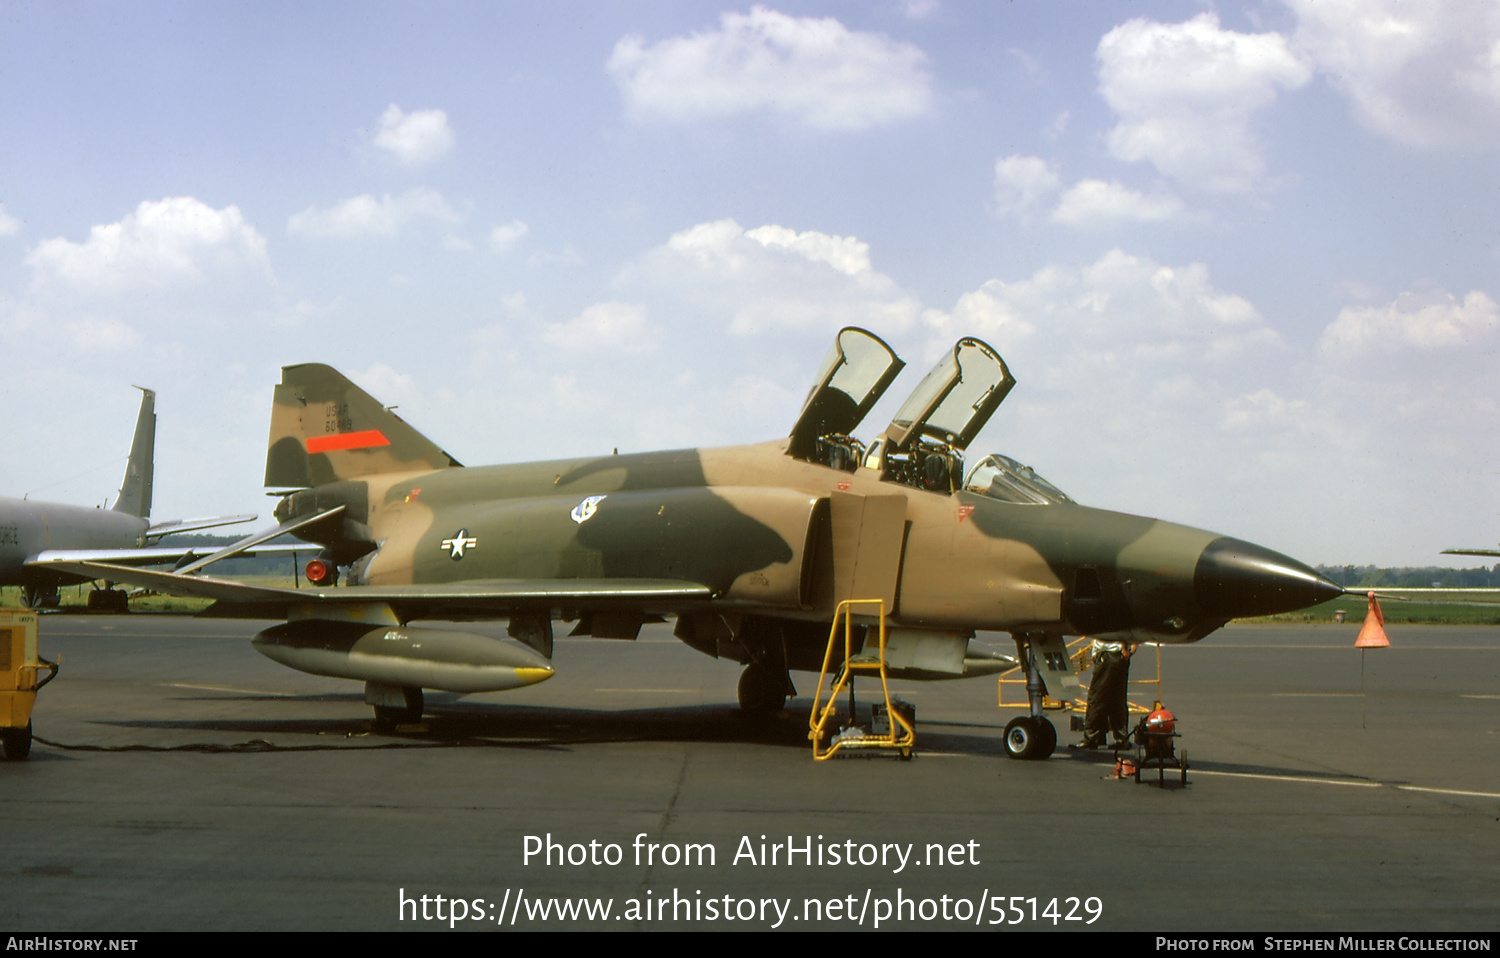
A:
388,717
759,690
17,743
1048,732
1029,739
112,601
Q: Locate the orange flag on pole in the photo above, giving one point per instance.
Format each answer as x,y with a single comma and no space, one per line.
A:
1372,633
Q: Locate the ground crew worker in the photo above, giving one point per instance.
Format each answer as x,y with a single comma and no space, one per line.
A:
1107,711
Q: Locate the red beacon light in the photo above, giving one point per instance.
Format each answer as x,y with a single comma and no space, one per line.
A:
320,571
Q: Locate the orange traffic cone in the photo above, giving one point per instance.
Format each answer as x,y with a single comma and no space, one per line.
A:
1372,633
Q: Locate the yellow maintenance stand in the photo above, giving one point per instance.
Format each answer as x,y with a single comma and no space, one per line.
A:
892,721
19,665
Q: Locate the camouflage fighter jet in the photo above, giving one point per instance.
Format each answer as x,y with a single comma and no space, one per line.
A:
748,548
34,534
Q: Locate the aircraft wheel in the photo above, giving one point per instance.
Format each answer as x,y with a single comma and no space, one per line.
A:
1048,744
113,601
37,597
17,742
1030,738
759,690
388,717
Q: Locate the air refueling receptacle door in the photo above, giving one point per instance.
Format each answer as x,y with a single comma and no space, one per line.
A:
956,399
855,375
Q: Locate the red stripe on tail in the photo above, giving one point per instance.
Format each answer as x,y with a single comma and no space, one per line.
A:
347,440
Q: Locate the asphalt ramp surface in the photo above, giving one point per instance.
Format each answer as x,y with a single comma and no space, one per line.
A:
180,781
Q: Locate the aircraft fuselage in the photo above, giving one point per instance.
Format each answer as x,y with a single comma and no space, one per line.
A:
774,536
28,528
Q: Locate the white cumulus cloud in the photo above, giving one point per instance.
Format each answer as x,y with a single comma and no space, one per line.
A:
1264,407
1022,183
365,215
416,138
816,71
1426,74
1426,322
172,242
1097,203
844,253
504,238
1026,184
776,278
611,325
1120,306
1186,93
9,225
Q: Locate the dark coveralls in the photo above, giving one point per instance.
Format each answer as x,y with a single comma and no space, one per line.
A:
1107,711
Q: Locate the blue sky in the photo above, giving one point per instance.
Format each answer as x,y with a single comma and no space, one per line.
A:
1241,259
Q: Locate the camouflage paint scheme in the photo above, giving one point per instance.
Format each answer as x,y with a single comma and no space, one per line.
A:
752,524
749,547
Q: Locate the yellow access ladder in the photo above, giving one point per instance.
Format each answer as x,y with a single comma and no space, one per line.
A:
1078,651
901,731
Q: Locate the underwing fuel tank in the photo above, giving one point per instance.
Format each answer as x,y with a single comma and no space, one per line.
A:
404,656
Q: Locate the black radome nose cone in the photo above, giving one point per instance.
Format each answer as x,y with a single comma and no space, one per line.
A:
1237,579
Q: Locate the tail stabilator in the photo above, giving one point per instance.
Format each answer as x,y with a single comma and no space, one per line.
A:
325,429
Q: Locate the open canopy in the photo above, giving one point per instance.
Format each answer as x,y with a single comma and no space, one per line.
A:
956,399
855,375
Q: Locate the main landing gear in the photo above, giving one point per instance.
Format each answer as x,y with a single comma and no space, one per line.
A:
394,705
113,601
40,596
762,689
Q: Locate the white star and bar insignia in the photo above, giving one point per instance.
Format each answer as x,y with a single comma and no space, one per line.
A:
461,540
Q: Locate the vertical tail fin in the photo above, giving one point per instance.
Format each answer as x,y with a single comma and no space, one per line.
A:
324,428
135,488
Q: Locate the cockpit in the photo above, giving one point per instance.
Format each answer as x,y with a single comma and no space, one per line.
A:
923,446
1001,477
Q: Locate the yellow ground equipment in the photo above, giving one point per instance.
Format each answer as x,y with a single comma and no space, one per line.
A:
19,665
892,722
1079,652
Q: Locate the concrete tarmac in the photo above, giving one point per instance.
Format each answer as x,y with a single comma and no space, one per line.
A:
194,784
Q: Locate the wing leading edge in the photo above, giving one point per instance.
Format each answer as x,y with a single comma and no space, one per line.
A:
476,598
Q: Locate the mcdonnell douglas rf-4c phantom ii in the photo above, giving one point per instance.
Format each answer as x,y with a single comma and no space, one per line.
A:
749,548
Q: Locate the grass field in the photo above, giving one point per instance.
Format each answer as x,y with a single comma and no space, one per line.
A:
74,599
1434,608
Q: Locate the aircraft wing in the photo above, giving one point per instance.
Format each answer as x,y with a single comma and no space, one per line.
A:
478,599
173,526
1435,596
157,555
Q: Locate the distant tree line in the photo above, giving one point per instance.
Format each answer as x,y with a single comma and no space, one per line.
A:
1412,577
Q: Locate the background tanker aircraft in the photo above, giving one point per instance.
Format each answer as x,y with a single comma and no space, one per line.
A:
749,548
33,534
